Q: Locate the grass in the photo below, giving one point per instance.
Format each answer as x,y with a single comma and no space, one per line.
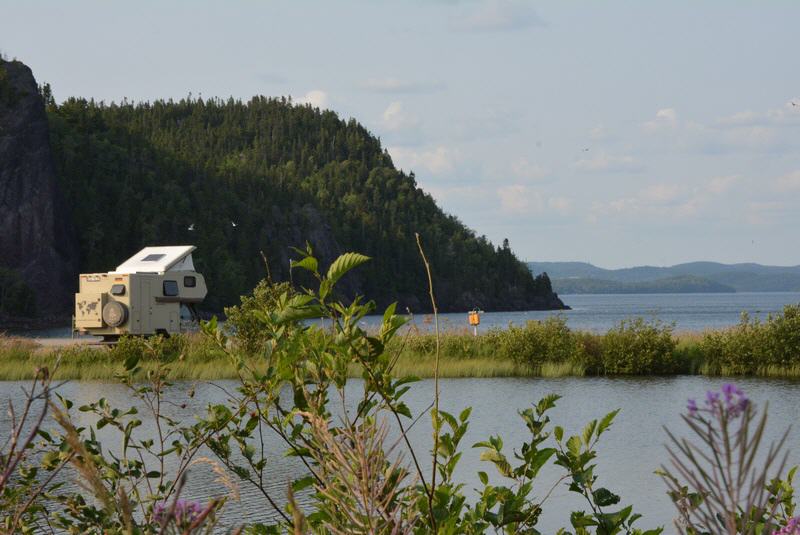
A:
19,359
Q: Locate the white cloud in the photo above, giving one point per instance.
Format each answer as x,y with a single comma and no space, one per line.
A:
396,118
665,118
598,133
758,132
316,98
522,168
501,15
438,160
788,182
562,205
520,199
763,212
665,200
788,115
662,193
721,184
607,163
396,85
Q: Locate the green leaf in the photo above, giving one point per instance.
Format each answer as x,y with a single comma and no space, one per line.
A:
574,445
540,459
345,263
131,362
604,497
616,519
588,431
499,461
302,483
465,414
389,312
579,519
402,408
606,421
483,477
308,263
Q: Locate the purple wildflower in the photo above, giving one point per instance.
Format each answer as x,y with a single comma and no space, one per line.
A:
791,528
183,512
160,511
730,401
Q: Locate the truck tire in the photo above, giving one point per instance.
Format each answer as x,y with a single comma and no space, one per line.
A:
114,314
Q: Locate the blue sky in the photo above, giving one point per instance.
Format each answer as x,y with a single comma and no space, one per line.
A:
620,133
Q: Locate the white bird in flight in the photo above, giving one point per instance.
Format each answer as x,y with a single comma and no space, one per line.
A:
234,225
191,227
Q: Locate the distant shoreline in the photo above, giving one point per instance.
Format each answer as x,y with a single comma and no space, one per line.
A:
692,277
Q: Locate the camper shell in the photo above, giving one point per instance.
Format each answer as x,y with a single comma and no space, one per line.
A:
153,292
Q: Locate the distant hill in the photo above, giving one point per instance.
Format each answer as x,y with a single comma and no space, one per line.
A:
692,277
681,284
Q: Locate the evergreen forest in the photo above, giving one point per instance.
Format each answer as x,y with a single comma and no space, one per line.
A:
240,178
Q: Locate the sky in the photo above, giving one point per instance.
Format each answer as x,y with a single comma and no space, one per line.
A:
618,133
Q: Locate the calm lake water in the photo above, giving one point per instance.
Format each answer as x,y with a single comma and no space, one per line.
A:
628,453
598,313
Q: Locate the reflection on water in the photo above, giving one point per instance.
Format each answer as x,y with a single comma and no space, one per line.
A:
628,454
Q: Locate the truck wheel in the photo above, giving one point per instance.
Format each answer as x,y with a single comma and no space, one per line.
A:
114,314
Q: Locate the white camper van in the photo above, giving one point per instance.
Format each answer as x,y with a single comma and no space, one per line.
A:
153,292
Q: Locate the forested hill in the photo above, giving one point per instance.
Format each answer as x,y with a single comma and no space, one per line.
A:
236,178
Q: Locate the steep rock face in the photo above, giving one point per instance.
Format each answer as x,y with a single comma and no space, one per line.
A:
36,238
299,225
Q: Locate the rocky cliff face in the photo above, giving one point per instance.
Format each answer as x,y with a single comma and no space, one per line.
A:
36,237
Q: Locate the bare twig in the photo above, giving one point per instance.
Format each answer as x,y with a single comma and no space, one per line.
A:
435,380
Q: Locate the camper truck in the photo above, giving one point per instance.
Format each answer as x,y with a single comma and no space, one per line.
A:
153,292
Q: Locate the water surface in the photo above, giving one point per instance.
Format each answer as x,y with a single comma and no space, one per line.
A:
629,452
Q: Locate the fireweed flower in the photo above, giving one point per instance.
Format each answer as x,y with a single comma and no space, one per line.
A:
731,401
791,528
184,513
160,511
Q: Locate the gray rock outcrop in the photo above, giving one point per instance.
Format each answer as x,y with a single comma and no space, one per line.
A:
36,236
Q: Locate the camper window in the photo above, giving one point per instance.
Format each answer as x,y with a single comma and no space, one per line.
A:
118,289
189,281
170,288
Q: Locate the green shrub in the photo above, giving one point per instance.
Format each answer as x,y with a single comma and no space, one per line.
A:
753,347
539,342
637,347
781,344
246,320
164,348
592,347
